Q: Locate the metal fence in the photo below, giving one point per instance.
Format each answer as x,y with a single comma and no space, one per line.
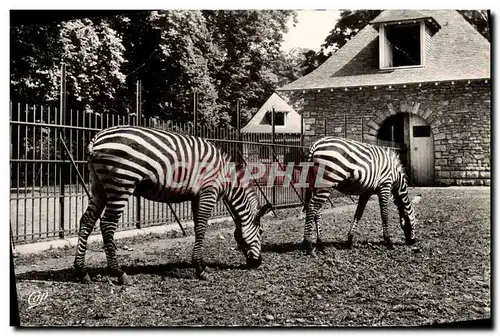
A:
47,199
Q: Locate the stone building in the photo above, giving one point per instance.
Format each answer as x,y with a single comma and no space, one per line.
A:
419,78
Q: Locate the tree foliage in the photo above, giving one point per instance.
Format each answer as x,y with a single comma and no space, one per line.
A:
34,51
172,53
349,24
223,55
93,53
480,19
249,42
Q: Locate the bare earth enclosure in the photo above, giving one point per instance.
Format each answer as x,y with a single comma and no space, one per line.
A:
445,277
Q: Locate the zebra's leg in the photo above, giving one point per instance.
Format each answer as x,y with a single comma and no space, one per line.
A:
87,223
202,209
383,197
310,220
318,198
115,204
319,242
363,199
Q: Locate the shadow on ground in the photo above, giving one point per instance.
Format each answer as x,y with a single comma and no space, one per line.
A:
182,270
338,245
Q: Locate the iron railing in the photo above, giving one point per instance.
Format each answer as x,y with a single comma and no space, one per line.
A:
47,199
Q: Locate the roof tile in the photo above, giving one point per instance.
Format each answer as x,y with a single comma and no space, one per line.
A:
457,52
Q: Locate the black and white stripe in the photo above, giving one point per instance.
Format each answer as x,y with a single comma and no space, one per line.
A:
127,160
356,168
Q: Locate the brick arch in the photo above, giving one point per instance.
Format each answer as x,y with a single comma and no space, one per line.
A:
404,107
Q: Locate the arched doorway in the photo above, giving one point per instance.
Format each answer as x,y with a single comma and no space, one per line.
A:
414,132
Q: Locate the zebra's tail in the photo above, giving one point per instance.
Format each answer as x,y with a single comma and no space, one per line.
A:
307,198
95,183
90,148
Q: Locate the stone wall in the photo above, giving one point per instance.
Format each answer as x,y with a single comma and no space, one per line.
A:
458,113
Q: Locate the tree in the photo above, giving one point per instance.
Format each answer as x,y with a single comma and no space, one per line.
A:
223,55
313,60
479,19
289,66
172,53
34,51
93,53
349,24
249,42
185,56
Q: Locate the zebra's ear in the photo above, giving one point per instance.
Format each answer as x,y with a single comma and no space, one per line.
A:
265,209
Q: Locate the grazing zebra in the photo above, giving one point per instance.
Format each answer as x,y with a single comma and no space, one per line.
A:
356,168
165,167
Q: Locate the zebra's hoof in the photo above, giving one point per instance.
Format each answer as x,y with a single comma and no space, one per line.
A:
312,253
124,279
205,276
86,279
307,245
390,245
410,242
81,275
348,243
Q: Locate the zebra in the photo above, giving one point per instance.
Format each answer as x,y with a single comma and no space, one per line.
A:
132,160
356,168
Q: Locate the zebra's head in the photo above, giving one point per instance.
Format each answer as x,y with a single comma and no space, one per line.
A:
406,208
248,237
247,214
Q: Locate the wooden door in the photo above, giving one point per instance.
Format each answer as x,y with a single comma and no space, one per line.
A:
421,151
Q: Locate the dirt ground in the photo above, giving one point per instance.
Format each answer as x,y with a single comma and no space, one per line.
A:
35,216
445,277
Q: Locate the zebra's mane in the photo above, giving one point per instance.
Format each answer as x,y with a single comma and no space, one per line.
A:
396,159
245,183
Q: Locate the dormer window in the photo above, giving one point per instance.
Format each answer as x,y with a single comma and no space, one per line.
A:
402,45
404,38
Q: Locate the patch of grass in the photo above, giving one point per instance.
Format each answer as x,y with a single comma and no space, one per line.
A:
445,277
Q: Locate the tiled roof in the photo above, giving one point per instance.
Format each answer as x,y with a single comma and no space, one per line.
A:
399,15
457,52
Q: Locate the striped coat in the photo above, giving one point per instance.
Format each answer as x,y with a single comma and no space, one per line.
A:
356,168
165,167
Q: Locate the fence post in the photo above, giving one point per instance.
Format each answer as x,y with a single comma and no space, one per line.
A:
238,119
302,156
301,131
324,127
138,123
362,130
345,125
239,146
195,112
273,140
62,120
138,99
